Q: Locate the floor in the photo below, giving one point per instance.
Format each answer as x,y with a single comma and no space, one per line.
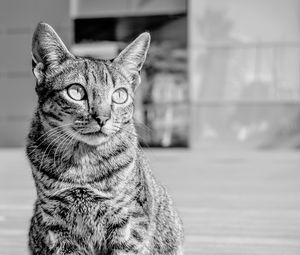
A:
233,202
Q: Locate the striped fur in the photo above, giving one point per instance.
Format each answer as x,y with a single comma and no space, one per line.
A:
95,191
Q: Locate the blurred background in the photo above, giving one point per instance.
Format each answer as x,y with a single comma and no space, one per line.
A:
219,101
217,72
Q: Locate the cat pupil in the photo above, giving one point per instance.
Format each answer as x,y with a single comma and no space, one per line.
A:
76,92
120,96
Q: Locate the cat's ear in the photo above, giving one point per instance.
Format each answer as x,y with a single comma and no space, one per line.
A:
134,55
48,50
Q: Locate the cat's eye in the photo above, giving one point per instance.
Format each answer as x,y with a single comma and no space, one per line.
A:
76,92
120,96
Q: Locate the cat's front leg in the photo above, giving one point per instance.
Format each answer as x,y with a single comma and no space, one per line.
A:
61,245
129,240
54,243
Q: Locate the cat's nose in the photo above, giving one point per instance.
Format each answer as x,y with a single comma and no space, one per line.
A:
101,120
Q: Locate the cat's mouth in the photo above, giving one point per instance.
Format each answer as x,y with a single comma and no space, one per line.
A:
94,133
90,136
90,131
98,132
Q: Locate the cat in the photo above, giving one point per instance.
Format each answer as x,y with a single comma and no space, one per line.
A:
95,191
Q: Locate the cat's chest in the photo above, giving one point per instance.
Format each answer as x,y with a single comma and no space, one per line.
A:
80,201
83,209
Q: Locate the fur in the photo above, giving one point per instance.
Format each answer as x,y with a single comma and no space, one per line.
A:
95,191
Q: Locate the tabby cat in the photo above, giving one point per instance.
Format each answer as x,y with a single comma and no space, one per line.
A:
95,191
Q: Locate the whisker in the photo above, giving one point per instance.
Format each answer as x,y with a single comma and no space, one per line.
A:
127,131
67,144
136,145
44,140
50,145
49,133
143,125
52,129
56,150
134,135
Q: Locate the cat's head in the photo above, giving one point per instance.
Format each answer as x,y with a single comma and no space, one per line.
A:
90,99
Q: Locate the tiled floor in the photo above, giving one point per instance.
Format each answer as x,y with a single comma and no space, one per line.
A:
232,202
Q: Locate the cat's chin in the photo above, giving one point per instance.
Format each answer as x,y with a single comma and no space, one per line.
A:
92,139
95,140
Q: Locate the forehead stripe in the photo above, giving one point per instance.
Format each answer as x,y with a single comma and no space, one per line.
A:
106,73
94,76
86,75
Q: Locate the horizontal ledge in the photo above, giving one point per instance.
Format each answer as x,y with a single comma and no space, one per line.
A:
242,45
127,14
252,103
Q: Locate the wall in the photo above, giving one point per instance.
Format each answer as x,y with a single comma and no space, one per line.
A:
17,97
